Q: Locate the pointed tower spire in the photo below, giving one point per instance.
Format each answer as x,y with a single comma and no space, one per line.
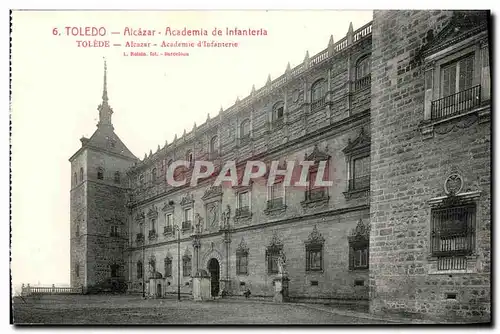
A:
268,79
208,117
253,89
350,34
330,42
158,149
288,68
105,111
105,85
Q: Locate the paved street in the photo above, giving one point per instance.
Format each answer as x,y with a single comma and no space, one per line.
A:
134,310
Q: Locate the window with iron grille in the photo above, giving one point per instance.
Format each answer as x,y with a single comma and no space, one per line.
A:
168,267
452,233
272,255
241,262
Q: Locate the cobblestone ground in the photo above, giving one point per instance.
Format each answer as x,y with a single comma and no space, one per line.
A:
133,310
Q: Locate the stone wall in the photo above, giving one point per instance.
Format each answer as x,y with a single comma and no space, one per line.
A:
407,170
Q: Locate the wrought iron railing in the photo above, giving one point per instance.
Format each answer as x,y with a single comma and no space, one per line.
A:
168,230
318,104
243,211
457,103
186,225
363,82
452,263
152,234
31,290
316,194
139,237
358,183
275,203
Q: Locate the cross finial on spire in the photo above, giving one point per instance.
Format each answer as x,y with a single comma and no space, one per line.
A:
105,86
105,110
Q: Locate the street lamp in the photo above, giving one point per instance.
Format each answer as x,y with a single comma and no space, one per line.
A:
177,228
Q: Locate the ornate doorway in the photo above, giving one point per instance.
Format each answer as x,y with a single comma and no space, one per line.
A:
214,269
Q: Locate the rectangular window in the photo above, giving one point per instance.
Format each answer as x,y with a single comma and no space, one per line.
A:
314,257
272,255
358,255
114,231
77,270
360,178
241,263
188,215
168,267
457,76
186,266
243,200
139,269
168,220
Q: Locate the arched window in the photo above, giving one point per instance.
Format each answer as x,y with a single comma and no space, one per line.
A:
168,267
278,111
117,177
77,231
75,180
100,173
214,144
363,67
141,179
139,269
77,270
81,173
245,129
318,91
153,175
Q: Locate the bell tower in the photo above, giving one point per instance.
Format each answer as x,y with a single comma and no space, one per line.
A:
98,213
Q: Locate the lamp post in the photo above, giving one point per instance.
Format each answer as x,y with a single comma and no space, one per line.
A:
177,228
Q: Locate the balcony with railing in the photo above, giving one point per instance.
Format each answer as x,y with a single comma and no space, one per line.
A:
363,82
186,225
359,183
275,203
457,103
243,211
152,235
316,194
318,104
168,230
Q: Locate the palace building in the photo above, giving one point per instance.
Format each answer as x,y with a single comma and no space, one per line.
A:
400,111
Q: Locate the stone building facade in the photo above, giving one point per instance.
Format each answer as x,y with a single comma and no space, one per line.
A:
405,151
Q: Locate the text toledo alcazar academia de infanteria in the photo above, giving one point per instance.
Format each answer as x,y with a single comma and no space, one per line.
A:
394,118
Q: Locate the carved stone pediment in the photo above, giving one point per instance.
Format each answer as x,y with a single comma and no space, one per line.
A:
153,212
214,192
462,25
317,155
168,206
361,143
242,247
360,232
315,237
140,217
187,200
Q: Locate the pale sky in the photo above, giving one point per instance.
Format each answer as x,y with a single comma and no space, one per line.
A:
56,88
